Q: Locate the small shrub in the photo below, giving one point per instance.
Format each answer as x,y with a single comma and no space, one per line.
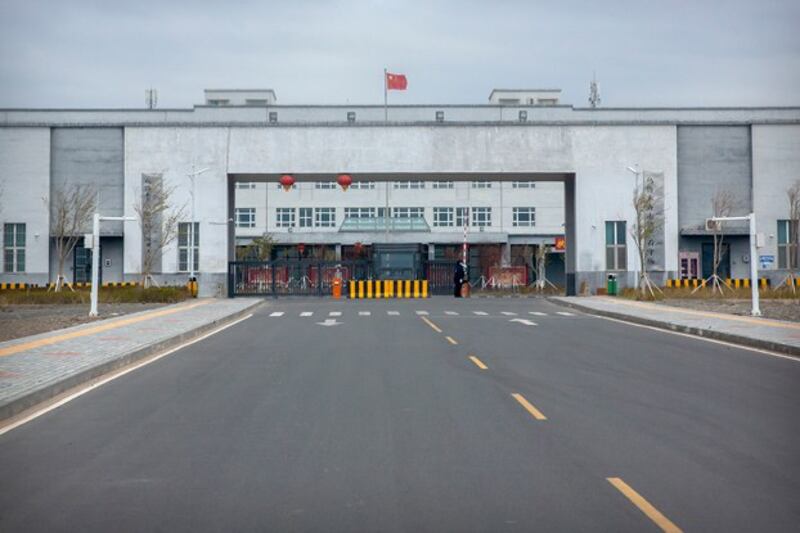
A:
83,296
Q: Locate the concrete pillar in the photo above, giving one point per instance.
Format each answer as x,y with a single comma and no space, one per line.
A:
338,252
431,252
570,235
505,254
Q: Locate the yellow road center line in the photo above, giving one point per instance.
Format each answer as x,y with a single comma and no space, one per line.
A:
451,340
431,324
644,506
96,329
478,362
528,407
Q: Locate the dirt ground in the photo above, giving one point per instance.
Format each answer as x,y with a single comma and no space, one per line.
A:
777,309
23,320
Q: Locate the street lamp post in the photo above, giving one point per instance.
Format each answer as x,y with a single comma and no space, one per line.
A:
751,218
96,256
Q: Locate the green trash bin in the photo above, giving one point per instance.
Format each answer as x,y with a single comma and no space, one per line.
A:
611,285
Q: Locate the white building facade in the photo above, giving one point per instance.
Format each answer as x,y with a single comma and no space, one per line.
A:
526,174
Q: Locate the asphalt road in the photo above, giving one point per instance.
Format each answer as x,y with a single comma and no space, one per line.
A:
382,423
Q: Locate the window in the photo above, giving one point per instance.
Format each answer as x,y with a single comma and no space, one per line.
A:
408,212
616,253
284,217
443,185
325,217
440,116
279,186
442,217
14,248
481,216
245,217
523,185
462,216
524,216
306,217
362,185
218,101
351,116
245,185
325,185
787,244
523,116
481,184
409,184
273,117
188,240
382,211
359,212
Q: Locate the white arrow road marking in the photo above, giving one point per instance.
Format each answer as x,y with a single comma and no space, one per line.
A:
330,322
564,313
364,313
276,313
481,313
537,313
524,321
306,313
508,313
335,313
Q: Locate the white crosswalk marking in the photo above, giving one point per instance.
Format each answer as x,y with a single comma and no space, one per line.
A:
564,313
451,313
537,313
276,313
307,313
393,313
364,313
335,313
422,313
508,313
481,313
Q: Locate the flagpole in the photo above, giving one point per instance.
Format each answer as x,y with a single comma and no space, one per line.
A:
385,98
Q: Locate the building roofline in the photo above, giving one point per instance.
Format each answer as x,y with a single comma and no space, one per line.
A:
401,106
239,90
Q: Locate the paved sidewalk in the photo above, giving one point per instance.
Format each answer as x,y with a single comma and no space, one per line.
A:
36,368
775,335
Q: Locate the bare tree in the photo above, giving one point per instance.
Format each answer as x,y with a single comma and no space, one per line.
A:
649,221
158,220
722,205
71,209
793,237
260,249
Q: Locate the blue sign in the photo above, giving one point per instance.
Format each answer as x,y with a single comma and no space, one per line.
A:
766,260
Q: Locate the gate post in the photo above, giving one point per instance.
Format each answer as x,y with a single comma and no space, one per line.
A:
272,269
231,279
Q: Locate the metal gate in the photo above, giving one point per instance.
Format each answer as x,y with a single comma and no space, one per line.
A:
292,277
439,274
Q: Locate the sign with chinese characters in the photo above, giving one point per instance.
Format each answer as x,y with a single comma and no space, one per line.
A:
766,261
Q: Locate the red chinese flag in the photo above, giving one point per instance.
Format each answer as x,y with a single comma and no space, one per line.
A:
397,82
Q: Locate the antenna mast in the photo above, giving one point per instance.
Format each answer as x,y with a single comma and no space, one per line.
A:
150,98
594,92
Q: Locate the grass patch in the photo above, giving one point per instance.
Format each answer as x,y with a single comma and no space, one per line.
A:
83,296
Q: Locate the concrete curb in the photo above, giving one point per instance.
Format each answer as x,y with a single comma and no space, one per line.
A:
35,397
778,347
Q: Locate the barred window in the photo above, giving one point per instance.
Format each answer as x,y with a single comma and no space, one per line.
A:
362,185
524,216
443,217
787,245
443,185
305,216
359,212
324,185
325,217
462,216
523,184
188,242
14,247
408,212
409,184
245,217
616,248
284,217
481,216
481,184
245,185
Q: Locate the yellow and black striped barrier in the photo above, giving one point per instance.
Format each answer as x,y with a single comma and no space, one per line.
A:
388,288
12,286
730,282
88,284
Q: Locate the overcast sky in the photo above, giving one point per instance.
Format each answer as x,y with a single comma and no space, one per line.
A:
104,53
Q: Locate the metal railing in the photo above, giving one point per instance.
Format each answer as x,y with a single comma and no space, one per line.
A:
292,277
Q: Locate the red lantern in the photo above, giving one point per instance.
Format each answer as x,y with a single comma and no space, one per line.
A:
345,180
301,248
358,247
287,182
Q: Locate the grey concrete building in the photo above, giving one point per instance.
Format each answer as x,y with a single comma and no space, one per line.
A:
528,169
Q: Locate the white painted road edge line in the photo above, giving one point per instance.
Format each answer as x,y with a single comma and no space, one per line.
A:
114,376
699,338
